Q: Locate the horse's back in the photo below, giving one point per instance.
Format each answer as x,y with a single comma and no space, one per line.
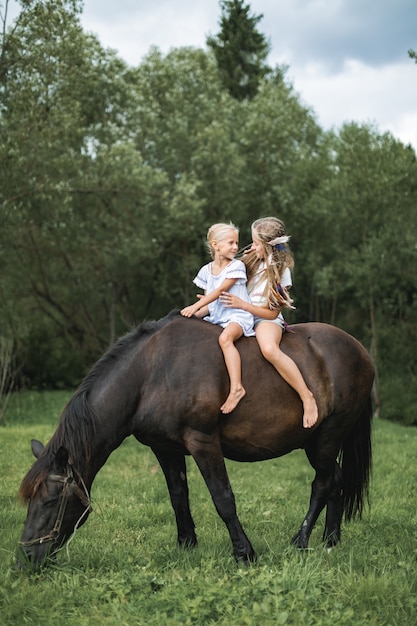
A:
186,367
331,361
337,359
268,421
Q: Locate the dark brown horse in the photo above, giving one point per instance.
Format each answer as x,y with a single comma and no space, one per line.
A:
164,384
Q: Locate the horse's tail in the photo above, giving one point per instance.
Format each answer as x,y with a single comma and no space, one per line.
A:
356,464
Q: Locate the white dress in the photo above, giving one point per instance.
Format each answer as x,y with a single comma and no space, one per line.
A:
219,314
257,293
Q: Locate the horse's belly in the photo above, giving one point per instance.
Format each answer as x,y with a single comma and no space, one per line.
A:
263,444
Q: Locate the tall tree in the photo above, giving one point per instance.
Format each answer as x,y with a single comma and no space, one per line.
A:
62,99
361,255
240,50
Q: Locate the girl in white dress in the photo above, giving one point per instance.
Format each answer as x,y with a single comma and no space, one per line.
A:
268,264
225,274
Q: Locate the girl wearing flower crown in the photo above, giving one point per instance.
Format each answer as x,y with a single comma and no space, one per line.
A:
268,263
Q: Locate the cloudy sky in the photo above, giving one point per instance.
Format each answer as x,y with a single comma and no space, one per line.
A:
347,59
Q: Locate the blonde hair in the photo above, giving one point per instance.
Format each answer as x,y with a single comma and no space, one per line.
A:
276,257
218,232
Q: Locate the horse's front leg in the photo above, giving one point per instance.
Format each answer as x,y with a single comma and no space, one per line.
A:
175,471
208,455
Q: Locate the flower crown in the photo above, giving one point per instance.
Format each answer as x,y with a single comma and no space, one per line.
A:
279,242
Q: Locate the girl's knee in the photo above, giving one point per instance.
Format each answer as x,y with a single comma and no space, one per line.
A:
271,351
224,340
229,336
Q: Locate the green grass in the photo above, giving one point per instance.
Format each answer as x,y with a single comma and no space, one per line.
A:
123,566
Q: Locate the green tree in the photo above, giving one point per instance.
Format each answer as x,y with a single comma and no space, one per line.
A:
63,100
240,50
364,248
180,125
111,175
280,143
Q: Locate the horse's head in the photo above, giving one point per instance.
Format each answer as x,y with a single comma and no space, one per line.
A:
58,504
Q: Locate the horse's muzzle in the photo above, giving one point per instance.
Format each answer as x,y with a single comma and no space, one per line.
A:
35,556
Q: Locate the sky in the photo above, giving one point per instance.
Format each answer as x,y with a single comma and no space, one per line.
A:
347,59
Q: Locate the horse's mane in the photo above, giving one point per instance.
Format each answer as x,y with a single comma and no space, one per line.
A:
77,423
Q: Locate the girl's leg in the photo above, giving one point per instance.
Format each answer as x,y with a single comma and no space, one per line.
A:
269,337
230,334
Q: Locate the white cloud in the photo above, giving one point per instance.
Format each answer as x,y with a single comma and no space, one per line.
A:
330,31
347,58
384,96
335,50
164,24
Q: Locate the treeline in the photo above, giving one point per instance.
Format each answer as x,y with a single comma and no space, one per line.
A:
111,175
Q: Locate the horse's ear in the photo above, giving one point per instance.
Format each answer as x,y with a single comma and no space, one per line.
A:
37,448
60,461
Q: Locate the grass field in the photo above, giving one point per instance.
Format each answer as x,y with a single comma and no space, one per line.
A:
123,566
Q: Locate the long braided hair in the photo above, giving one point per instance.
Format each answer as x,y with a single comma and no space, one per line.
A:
270,231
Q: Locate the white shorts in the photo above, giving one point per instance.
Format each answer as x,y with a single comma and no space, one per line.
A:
278,320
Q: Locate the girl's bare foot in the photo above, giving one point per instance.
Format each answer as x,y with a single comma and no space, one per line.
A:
233,400
311,413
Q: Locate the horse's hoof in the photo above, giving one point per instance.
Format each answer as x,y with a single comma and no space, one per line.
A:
187,543
300,544
331,541
246,559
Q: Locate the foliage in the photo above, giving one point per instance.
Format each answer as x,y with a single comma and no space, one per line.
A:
240,50
364,274
54,98
123,566
111,175
7,374
131,170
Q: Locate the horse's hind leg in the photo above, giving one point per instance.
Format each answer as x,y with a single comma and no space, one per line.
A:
325,491
175,471
318,499
331,535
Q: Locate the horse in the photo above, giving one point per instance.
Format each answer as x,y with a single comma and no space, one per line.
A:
164,383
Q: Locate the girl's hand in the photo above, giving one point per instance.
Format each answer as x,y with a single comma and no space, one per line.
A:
189,311
230,301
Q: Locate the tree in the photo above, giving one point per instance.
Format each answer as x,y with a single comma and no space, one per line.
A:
63,100
280,144
110,177
360,260
240,50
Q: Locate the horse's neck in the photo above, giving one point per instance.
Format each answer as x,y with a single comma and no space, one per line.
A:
111,429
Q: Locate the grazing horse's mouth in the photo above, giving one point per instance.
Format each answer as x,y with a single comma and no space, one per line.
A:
35,552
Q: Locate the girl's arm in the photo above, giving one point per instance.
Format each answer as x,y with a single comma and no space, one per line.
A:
188,311
205,310
229,300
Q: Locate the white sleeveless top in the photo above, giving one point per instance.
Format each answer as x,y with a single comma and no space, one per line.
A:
257,290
